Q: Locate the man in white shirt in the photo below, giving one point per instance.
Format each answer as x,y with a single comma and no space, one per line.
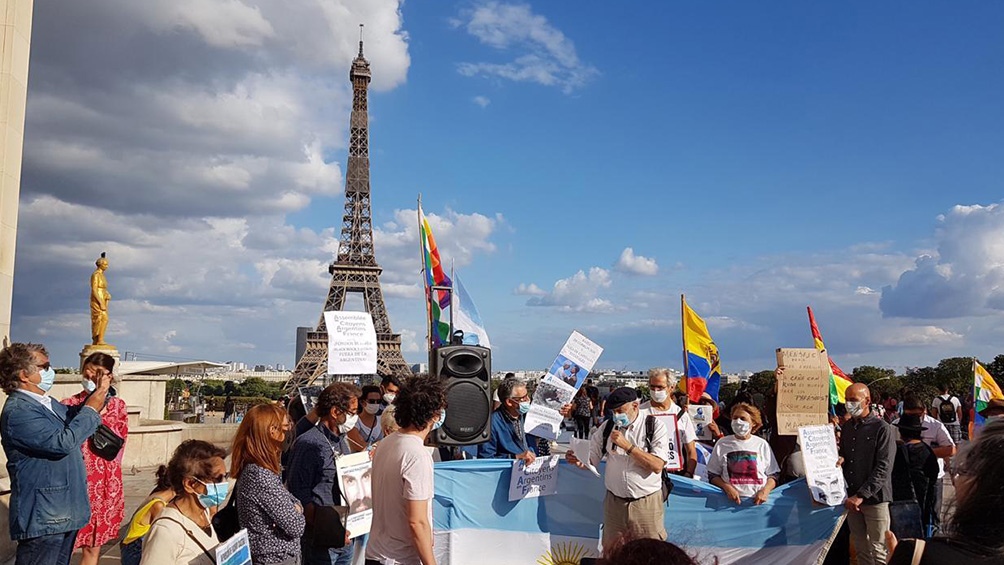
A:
939,439
660,384
951,414
633,475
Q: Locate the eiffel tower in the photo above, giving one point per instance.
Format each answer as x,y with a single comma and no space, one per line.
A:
355,269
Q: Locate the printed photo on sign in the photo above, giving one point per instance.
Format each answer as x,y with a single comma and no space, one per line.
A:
568,372
552,393
235,551
819,455
354,479
702,416
308,396
676,458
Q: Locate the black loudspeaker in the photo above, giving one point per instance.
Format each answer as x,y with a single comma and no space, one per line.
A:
466,372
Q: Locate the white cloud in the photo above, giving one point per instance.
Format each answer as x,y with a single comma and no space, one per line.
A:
965,277
911,336
636,264
529,290
482,101
577,293
544,54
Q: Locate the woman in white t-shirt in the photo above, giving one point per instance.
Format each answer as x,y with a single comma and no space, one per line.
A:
743,464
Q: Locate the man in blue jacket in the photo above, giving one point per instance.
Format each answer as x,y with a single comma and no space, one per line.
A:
509,440
42,440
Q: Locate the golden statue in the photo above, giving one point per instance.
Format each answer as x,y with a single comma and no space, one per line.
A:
99,302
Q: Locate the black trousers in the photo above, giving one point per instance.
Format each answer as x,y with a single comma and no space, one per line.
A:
582,427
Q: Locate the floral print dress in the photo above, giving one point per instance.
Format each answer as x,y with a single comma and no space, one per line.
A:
104,478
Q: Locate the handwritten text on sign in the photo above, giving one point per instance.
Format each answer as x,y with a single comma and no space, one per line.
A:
352,343
540,478
802,390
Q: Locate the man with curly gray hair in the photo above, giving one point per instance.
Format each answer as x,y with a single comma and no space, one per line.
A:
42,441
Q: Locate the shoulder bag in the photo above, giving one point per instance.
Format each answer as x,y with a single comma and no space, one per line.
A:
105,443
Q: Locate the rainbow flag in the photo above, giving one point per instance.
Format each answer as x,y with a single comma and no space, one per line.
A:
839,381
985,389
701,367
434,275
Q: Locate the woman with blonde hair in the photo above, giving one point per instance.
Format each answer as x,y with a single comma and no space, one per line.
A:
273,517
742,464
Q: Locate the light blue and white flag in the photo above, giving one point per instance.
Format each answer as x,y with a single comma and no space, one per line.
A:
466,316
474,521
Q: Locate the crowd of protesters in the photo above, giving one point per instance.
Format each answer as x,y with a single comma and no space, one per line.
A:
286,485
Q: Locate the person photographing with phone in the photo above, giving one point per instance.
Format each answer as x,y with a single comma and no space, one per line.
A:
636,449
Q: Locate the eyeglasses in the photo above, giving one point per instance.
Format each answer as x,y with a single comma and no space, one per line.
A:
523,398
218,479
373,401
44,366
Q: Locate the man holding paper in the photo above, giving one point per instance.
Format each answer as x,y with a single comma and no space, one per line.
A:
633,476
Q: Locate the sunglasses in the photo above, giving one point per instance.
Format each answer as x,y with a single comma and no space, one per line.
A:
45,366
373,401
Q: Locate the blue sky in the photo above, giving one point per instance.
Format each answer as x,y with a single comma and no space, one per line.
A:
758,158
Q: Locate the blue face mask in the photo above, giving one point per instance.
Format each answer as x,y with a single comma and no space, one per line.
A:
216,494
439,422
621,420
88,384
48,378
524,407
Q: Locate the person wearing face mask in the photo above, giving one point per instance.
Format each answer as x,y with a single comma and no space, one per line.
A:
660,383
368,430
636,447
742,464
43,440
508,438
390,385
867,453
312,476
402,478
104,477
272,516
183,532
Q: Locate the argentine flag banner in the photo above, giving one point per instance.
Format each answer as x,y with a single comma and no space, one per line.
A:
474,521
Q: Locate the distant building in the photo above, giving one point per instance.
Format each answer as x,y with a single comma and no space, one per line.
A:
419,368
301,342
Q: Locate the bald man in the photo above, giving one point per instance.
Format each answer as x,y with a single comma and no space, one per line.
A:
867,452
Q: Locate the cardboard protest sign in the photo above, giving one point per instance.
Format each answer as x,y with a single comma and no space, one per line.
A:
675,462
539,478
557,388
819,453
702,415
803,391
354,474
352,343
235,551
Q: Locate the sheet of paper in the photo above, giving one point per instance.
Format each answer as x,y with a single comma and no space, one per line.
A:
354,473
580,447
819,454
352,343
563,379
539,478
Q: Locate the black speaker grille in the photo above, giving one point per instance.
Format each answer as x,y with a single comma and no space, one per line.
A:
467,412
464,364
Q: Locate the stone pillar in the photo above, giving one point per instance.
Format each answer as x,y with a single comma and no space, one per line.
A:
15,33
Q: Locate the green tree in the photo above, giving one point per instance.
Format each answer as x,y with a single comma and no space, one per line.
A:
957,373
763,382
727,393
996,368
880,381
254,386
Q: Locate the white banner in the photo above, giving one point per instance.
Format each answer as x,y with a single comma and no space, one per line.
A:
235,551
539,478
354,474
352,343
819,452
557,388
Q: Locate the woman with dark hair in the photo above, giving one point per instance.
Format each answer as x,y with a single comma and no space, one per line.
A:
183,533
368,429
975,527
104,477
132,544
272,516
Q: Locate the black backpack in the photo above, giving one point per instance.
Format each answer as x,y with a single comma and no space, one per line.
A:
667,482
946,411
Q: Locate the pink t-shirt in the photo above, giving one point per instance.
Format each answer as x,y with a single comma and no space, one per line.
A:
402,471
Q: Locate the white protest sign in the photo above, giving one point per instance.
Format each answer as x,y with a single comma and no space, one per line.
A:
702,415
539,478
819,452
352,343
803,391
354,473
580,447
675,462
235,551
557,388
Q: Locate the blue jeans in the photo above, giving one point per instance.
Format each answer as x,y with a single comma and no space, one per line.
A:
314,556
53,549
132,553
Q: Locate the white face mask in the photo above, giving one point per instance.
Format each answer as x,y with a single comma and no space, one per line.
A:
855,409
350,422
741,428
88,384
389,397
372,408
660,396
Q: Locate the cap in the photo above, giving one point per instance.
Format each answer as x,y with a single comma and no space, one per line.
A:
910,422
620,397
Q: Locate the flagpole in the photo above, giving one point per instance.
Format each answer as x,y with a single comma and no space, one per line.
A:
683,337
453,298
428,305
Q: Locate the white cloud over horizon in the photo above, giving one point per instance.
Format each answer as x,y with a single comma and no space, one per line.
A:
636,264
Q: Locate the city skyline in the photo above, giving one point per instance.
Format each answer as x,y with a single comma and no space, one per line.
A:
582,168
